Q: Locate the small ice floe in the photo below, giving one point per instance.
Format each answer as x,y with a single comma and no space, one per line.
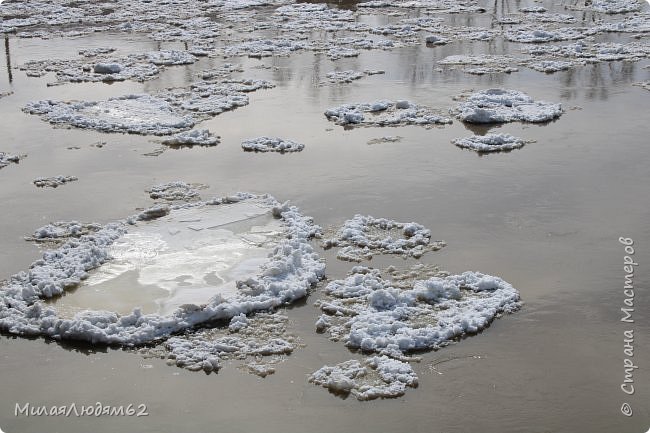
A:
60,231
340,77
550,66
385,139
369,313
384,113
484,64
171,57
375,377
336,53
533,9
107,68
5,94
362,237
490,143
195,137
271,144
244,85
616,6
532,34
186,254
502,106
138,114
263,337
175,191
6,159
54,181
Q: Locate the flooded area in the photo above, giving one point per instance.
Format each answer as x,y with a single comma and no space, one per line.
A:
458,177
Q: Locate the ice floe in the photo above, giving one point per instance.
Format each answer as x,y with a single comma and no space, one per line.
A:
484,64
385,113
364,236
289,271
54,181
343,76
368,312
616,6
271,144
375,377
385,139
501,106
490,143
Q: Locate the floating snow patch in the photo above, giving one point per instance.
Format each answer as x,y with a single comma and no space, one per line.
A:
196,137
368,312
364,236
264,48
385,139
201,237
490,143
501,106
137,114
637,23
268,144
54,181
376,377
6,159
384,113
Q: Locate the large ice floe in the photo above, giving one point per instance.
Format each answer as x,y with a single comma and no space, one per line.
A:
370,313
271,144
501,106
202,262
490,143
385,113
364,236
375,377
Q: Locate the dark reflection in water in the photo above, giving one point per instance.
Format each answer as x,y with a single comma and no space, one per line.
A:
9,74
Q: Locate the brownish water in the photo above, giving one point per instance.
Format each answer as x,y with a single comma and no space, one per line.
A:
546,218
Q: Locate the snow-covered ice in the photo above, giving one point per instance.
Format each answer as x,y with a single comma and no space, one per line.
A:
368,312
63,230
195,137
271,144
490,143
502,105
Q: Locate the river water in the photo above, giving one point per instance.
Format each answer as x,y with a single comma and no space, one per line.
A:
546,218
